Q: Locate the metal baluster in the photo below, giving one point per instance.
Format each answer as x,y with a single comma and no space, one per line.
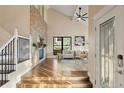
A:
5,66
8,58
2,69
13,54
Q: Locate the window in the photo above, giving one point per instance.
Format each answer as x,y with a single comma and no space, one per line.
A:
61,43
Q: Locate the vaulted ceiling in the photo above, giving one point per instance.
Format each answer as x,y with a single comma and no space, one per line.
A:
67,10
71,10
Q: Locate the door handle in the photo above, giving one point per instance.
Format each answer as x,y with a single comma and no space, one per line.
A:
120,60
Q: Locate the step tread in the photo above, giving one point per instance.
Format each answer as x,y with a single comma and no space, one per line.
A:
55,81
55,78
47,73
74,84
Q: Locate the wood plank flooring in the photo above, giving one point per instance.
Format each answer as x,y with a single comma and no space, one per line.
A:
54,74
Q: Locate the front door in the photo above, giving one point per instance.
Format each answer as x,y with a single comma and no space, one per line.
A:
110,47
107,53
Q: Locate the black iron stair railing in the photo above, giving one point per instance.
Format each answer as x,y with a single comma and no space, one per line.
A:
9,57
7,61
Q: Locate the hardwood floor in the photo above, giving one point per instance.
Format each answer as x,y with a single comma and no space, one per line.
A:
54,74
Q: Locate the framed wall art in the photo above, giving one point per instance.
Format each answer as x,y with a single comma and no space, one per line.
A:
23,51
79,40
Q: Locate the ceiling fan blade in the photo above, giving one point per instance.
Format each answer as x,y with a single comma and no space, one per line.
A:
83,19
84,14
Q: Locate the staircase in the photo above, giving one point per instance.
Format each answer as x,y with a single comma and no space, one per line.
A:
55,82
45,76
8,58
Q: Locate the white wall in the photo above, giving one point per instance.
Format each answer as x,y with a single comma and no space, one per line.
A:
4,36
61,25
15,16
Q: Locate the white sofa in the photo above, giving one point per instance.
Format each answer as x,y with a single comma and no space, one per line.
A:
68,54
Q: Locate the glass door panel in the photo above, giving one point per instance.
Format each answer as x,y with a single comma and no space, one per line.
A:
67,43
107,53
57,49
58,41
57,45
102,55
61,43
111,55
106,47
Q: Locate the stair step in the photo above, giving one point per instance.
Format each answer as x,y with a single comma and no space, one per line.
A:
48,73
6,72
64,75
54,81
54,84
55,78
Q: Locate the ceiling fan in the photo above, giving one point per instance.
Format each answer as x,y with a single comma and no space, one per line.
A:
81,16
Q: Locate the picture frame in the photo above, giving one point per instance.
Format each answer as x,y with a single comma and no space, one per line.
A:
23,51
79,40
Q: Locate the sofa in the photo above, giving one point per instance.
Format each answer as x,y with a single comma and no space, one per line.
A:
67,54
78,54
